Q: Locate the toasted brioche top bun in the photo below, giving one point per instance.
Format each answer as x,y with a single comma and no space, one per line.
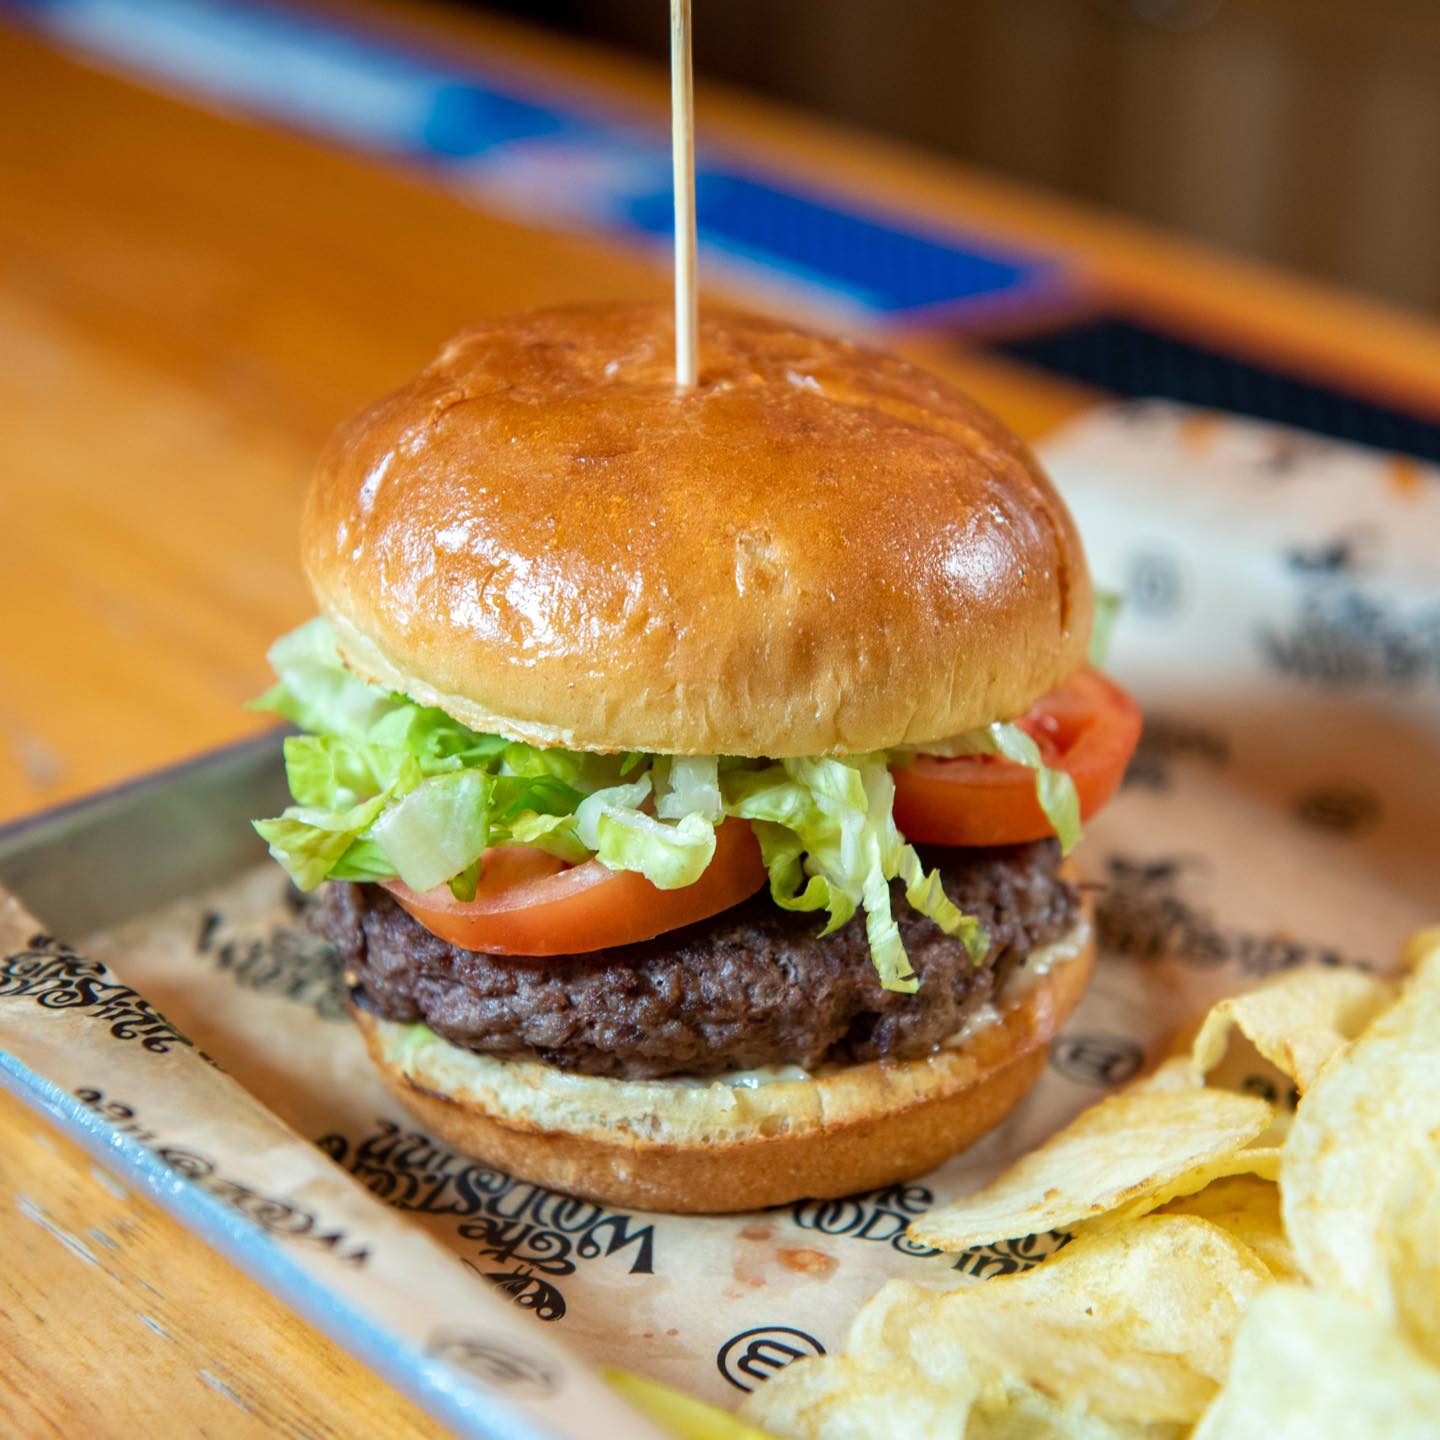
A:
821,549
711,1145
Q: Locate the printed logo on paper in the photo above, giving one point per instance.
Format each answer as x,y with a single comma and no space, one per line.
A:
1339,809
1343,635
277,1215
287,962
1165,742
753,1356
1142,914
1102,1060
497,1364
882,1217
533,1234
54,977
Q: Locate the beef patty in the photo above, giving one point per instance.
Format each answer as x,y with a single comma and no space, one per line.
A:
753,986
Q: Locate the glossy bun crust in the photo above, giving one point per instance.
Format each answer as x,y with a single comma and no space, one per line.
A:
822,549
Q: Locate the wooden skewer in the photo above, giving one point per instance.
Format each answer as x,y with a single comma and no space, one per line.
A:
682,123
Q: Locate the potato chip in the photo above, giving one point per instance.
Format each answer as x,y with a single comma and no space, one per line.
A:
1421,945
1359,1186
839,1397
1260,1161
1176,1073
1128,1333
1309,1366
1246,1070
1120,1331
1133,1322
1248,1208
1412,1248
1134,1151
1297,1020
876,1388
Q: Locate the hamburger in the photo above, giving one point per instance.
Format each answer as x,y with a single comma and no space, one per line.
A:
685,778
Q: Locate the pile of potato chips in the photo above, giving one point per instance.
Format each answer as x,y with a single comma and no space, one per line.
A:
1239,1268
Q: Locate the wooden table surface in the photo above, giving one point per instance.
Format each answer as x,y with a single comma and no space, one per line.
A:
188,304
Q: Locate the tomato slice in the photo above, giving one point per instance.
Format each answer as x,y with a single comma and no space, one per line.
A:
1088,726
528,903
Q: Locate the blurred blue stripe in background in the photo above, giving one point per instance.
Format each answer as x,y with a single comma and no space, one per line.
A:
547,158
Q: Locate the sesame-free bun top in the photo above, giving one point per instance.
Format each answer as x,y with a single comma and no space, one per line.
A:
820,549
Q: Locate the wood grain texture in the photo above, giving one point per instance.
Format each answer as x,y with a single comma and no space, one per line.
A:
116,1321
188,305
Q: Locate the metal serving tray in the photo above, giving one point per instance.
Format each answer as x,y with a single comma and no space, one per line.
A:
141,845
147,841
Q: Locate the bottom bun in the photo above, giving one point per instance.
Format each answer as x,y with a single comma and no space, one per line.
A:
738,1142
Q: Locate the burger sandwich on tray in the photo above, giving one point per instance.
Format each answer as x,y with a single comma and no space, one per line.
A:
685,777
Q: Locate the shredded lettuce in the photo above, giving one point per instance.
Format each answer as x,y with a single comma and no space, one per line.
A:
1054,789
310,842
552,833
441,827
385,788
1108,605
669,855
687,785
828,838
316,692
